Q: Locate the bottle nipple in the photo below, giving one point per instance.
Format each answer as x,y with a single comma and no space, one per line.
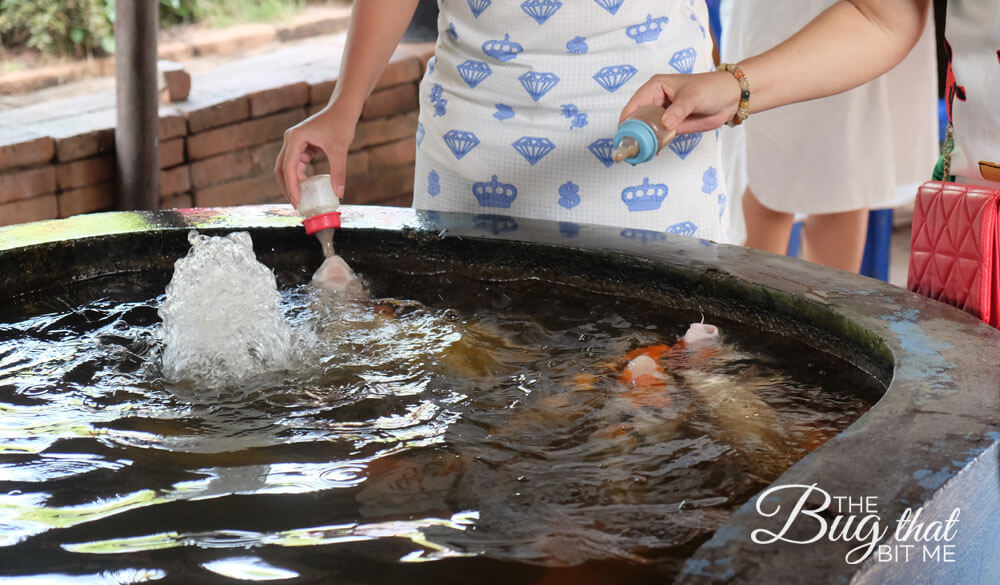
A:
628,147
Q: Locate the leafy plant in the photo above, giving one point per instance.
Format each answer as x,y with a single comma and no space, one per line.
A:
58,27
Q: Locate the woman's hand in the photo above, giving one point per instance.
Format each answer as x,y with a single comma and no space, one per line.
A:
329,131
694,103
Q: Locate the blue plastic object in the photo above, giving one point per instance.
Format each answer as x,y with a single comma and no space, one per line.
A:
643,134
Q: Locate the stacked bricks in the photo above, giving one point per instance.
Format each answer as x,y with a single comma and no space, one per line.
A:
216,149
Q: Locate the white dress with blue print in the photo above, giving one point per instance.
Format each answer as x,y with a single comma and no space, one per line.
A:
521,101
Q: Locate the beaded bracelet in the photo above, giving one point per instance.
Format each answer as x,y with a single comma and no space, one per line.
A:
743,111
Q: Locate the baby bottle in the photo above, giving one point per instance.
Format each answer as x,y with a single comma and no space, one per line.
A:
318,206
641,136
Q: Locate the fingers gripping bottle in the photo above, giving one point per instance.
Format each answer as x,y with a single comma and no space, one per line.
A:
318,204
641,136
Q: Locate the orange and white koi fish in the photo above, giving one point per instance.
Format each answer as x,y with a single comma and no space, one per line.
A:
644,365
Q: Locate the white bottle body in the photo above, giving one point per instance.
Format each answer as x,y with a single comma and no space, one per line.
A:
316,196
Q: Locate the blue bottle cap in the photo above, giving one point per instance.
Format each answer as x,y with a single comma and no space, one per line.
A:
643,134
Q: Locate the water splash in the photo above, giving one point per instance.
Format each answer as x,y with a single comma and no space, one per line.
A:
221,319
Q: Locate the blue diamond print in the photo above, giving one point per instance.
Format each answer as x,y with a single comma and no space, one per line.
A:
611,6
683,60
684,144
683,229
602,150
474,72
478,6
502,50
721,200
541,10
538,84
420,133
451,31
504,112
532,148
460,142
613,77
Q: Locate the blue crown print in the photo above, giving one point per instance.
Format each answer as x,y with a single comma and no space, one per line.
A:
647,31
502,50
611,6
494,193
541,10
478,6
645,197
683,60
685,228
504,112
569,195
497,224
474,72
460,142
613,77
538,84
532,148
684,144
577,46
602,149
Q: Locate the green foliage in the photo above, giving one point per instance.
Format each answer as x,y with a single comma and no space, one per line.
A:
58,27
84,27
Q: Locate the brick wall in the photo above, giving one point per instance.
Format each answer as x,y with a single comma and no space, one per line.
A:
216,149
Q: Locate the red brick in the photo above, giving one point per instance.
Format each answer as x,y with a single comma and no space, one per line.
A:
21,148
373,132
27,183
394,100
258,189
175,180
241,135
314,108
221,168
25,210
218,114
280,98
172,125
382,186
176,201
171,152
232,39
86,199
86,144
85,172
400,70
319,93
393,154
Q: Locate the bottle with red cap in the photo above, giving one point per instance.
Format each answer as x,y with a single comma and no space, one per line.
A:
318,206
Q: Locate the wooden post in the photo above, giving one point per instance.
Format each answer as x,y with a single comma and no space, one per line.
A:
137,130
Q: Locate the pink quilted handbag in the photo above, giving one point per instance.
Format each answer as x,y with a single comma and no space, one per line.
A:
955,247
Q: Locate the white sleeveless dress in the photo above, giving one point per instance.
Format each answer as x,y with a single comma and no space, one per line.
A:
521,101
972,28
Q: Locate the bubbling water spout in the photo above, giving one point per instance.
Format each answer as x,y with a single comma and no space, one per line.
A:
221,318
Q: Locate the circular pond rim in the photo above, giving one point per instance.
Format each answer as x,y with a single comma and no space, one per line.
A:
932,441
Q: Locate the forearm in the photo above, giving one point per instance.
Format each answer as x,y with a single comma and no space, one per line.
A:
847,45
375,30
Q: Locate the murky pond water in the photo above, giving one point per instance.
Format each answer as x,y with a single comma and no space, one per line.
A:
457,428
